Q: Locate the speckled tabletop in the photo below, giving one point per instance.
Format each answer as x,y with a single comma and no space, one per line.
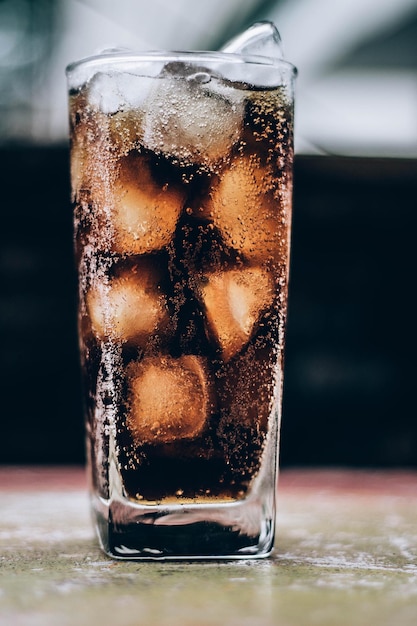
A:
346,554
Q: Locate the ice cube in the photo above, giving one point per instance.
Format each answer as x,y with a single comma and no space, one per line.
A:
111,92
193,118
242,204
234,301
169,399
129,307
145,211
125,131
120,96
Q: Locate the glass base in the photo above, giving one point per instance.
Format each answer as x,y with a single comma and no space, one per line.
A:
238,530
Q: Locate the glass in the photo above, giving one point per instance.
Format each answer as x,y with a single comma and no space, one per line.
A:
181,167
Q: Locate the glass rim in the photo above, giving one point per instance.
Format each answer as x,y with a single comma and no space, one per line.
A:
128,58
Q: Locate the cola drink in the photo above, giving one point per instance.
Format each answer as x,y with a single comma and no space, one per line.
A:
181,182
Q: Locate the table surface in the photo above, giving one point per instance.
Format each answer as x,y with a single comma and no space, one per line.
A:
346,554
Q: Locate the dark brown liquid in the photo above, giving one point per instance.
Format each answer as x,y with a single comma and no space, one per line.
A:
181,325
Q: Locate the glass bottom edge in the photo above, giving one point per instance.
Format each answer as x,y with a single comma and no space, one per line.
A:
197,541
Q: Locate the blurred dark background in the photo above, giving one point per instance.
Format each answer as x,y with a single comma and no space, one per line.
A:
351,340
350,359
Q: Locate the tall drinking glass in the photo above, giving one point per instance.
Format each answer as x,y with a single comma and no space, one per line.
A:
181,167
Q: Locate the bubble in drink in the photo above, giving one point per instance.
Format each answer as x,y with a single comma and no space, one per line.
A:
244,388
88,132
246,405
234,301
168,399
